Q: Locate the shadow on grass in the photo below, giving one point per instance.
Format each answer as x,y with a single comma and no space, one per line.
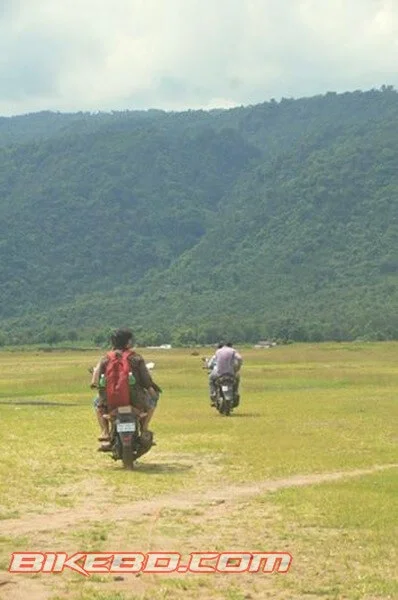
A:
246,415
154,468
39,403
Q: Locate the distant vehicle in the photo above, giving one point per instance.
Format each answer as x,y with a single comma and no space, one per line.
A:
226,399
226,396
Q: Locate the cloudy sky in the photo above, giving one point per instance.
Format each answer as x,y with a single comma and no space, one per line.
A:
71,55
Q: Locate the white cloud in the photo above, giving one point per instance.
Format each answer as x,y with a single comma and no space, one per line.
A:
175,54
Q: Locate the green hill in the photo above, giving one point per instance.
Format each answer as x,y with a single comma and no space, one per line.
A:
274,220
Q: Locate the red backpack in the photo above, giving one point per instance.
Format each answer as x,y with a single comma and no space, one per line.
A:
117,370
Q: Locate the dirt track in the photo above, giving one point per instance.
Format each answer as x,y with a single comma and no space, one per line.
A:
63,518
16,587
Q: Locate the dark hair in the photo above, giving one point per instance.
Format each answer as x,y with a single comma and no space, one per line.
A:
229,344
121,337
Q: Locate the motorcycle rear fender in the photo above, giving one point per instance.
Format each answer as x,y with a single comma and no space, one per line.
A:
125,417
226,380
126,438
123,410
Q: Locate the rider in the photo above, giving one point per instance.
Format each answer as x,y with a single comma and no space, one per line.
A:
147,391
226,361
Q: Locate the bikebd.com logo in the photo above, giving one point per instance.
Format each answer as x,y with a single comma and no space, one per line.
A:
88,563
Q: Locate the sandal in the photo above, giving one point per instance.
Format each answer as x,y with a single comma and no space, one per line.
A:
105,448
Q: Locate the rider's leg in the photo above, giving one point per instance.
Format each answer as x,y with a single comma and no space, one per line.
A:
152,401
146,420
212,386
102,422
236,389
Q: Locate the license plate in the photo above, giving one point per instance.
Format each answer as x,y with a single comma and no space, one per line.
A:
224,388
125,427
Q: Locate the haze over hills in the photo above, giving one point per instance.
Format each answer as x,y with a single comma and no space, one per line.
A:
276,220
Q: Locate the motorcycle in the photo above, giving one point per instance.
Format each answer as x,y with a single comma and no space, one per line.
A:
127,440
226,398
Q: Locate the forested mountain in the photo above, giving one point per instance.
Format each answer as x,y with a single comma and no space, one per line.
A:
276,220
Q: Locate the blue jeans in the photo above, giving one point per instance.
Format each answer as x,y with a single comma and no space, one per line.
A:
153,400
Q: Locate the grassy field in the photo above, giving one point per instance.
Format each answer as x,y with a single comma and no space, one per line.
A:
305,465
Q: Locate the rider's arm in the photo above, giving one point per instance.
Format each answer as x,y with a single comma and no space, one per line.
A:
211,363
238,361
145,379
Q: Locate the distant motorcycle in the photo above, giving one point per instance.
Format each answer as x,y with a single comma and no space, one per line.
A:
227,397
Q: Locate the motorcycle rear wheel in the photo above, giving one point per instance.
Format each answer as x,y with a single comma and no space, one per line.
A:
225,408
128,458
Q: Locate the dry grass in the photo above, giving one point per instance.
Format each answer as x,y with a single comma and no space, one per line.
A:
306,409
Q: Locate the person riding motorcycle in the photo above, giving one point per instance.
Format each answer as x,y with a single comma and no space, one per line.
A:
147,391
226,361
